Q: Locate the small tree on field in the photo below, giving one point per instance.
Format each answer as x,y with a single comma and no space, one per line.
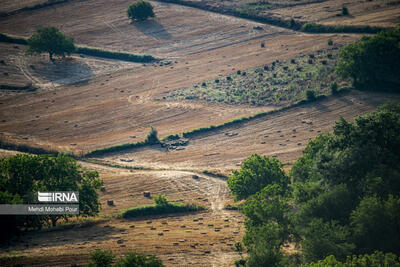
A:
152,137
140,11
160,200
50,40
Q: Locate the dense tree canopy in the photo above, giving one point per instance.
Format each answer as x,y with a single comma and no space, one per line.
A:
256,173
344,197
22,176
372,63
140,10
50,40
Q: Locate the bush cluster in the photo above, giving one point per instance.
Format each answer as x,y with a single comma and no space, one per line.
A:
341,198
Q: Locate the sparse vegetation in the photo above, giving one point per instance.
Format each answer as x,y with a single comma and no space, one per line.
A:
281,83
140,11
50,40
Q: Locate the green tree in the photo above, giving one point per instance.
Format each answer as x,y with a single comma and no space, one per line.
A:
50,40
376,225
22,176
322,239
256,173
160,200
140,10
152,137
372,63
263,245
101,258
134,259
377,259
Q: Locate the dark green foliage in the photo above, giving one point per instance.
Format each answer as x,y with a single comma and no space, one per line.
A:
152,137
377,259
50,40
8,39
90,51
330,42
345,199
256,173
134,259
264,245
310,96
334,88
101,258
171,137
104,258
322,239
160,210
160,200
345,11
22,176
114,55
372,63
347,185
240,262
319,28
376,224
140,10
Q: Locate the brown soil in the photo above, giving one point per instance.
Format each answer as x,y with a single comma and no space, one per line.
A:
283,135
85,103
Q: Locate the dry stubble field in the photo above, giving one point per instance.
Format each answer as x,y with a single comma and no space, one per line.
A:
84,103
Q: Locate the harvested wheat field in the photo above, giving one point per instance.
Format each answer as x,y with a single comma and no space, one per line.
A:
82,103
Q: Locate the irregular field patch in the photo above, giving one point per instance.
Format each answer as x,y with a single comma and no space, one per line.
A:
107,26
283,135
279,83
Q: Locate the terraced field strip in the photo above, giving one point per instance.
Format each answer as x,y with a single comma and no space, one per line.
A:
282,134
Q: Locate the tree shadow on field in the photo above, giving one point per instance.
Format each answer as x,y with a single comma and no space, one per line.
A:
63,71
152,28
63,235
321,107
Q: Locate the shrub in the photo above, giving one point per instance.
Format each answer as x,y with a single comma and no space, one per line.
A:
152,137
240,262
310,96
334,88
134,259
114,54
101,258
330,42
345,11
140,10
160,200
160,210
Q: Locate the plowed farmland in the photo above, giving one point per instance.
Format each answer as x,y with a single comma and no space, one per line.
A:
82,103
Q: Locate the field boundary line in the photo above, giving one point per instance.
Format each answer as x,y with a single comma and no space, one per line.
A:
299,26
